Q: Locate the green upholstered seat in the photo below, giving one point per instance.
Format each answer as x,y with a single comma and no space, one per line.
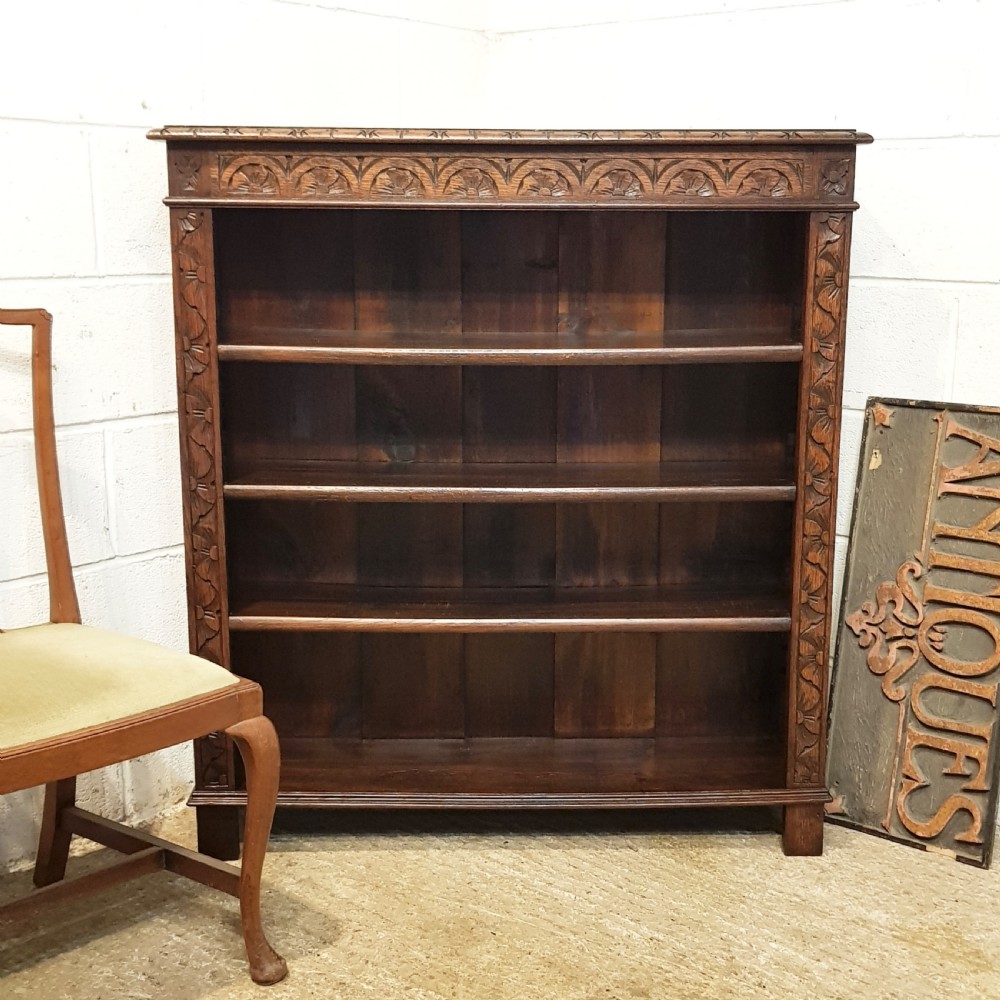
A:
60,678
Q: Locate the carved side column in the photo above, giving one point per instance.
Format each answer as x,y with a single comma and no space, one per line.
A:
816,503
197,395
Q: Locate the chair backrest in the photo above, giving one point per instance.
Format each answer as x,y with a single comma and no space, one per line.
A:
63,605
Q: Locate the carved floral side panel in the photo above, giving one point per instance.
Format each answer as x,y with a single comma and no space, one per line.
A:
194,311
829,236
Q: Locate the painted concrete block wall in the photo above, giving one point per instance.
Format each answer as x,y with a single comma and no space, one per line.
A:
83,232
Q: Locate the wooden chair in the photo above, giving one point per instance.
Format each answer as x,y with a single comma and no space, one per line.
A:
76,698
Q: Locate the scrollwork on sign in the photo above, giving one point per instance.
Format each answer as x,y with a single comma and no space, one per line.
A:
811,628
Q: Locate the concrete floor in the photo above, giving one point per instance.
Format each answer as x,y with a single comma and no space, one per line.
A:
619,907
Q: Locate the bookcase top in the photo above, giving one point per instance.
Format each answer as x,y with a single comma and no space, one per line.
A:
545,137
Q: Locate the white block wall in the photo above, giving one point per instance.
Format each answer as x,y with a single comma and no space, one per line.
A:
83,232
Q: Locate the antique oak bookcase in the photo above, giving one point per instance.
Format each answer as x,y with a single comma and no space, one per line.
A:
510,460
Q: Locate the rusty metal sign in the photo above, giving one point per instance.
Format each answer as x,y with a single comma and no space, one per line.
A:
913,712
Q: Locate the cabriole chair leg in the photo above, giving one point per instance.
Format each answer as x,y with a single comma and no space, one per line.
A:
258,746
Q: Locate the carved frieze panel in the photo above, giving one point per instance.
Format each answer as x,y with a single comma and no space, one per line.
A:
266,173
913,752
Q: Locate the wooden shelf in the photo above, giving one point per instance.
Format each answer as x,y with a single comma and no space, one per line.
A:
457,348
538,482
674,771
317,607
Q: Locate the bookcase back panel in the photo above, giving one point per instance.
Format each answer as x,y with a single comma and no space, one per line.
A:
312,682
510,271
736,546
510,414
738,270
579,273
728,412
293,543
609,414
605,684
509,685
408,414
611,271
277,412
721,684
271,274
509,545
412,686
570,685
407,271
482,414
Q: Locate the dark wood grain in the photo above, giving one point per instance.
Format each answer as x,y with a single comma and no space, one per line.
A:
606,545
509,414
311,680
310,415
510,271
756,424
509,545
509,685
728,545
609,414
413,686
611,272
311,541
270,274
741,270
407,272
696,673
409,414
409,545
605,684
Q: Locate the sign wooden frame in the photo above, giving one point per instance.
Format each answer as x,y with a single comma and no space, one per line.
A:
913,752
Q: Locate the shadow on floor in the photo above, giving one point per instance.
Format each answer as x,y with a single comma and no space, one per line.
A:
293,827
166,934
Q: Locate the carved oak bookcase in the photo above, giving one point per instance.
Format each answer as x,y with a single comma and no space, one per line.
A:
510,460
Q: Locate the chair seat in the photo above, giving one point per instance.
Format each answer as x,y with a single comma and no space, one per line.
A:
57,679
